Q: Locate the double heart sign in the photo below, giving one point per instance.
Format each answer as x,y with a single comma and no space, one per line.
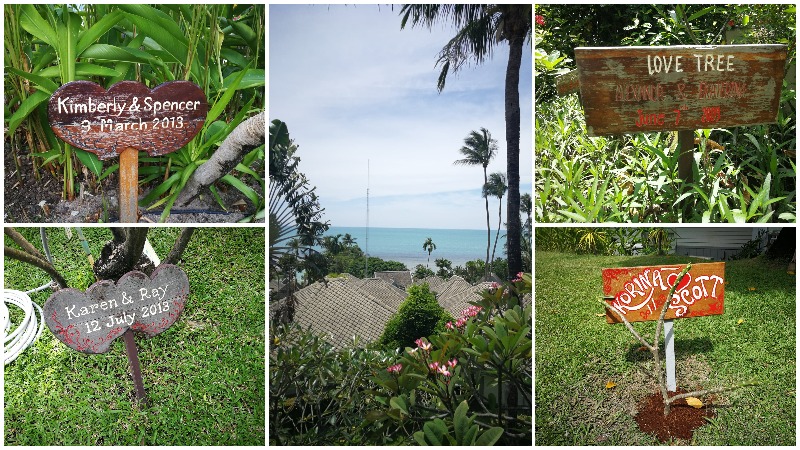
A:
127,115
89,322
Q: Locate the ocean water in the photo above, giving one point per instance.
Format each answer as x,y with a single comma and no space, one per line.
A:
405,244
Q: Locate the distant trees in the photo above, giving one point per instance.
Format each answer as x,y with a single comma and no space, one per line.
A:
429,246
481,27
496,187
478,150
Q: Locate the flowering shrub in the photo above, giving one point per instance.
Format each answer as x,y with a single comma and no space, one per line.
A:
419,315
482,361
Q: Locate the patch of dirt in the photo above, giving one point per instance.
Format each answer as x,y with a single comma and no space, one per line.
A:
681,421
31,200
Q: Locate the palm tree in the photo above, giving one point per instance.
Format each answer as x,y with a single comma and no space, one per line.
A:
496,187
429,246
480,28
478,150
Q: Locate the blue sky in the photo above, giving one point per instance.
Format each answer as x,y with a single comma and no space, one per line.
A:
352,87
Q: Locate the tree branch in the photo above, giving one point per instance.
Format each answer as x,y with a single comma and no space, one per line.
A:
248,135
179,246
22,242
19,255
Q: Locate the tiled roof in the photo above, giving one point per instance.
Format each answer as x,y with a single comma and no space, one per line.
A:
400,278
347,306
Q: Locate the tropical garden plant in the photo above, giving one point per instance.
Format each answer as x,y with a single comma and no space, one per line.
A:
218,47
444,390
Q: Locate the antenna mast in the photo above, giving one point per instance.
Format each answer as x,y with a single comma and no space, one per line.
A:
366,244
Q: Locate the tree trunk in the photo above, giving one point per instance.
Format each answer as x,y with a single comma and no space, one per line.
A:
499,224
123,254
488,229
247,136
515,31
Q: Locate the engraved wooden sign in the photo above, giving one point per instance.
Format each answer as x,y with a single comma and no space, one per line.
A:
640,292
89,322
635,89
127,115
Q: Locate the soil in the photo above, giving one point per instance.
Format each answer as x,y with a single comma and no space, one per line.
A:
681,421
31,200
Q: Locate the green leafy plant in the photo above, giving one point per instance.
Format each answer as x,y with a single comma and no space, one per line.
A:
418,315
464,431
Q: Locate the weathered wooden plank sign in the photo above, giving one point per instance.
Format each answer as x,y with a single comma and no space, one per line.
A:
640,292
636,89
89,322
127,115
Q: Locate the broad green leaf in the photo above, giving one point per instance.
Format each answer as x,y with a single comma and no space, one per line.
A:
252,78
399,403
176,49
25,108
223,101
33,23
42,83
490,436
234,57
243,188
89,160
461,423
97,30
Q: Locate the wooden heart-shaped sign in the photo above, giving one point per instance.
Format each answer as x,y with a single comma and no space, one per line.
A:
128,115
89,322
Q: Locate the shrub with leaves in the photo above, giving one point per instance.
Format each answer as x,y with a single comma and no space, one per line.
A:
481,362
419,315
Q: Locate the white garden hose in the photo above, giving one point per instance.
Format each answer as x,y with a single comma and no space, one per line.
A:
26,333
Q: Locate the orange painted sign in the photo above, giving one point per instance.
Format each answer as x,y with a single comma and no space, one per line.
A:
637,89
640,292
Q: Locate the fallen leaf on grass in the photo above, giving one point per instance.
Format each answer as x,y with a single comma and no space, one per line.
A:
642,349
610,384
739,322
695,402
751,289
600,315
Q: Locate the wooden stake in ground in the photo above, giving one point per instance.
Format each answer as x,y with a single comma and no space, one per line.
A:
127,118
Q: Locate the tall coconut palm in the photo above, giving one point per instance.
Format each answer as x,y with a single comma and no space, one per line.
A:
478,150
480,27
496,187
429,246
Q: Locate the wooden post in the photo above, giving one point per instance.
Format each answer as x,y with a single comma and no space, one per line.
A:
136,371
686,153
129,185
669,351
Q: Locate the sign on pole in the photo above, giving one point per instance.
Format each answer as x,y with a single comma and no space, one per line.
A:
89,322
640,292
637,89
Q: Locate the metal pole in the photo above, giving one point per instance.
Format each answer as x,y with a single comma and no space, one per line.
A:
136,371
129,185
685,155
669,350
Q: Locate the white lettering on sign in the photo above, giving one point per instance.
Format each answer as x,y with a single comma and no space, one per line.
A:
711,63
638,292
663,62
115,108
147,296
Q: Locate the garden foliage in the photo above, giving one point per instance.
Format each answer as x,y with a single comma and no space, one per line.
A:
444,390
218,47
741,174
419,315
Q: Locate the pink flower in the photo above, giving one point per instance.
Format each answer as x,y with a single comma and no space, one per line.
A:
434,365
461,322
539,20
443,370
449,325
452,363
419,342
395,368
425,346
412,351
519,277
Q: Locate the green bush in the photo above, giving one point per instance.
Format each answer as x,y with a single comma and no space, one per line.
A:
419,315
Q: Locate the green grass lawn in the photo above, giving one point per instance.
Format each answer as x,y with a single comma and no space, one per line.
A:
577,352
204,376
